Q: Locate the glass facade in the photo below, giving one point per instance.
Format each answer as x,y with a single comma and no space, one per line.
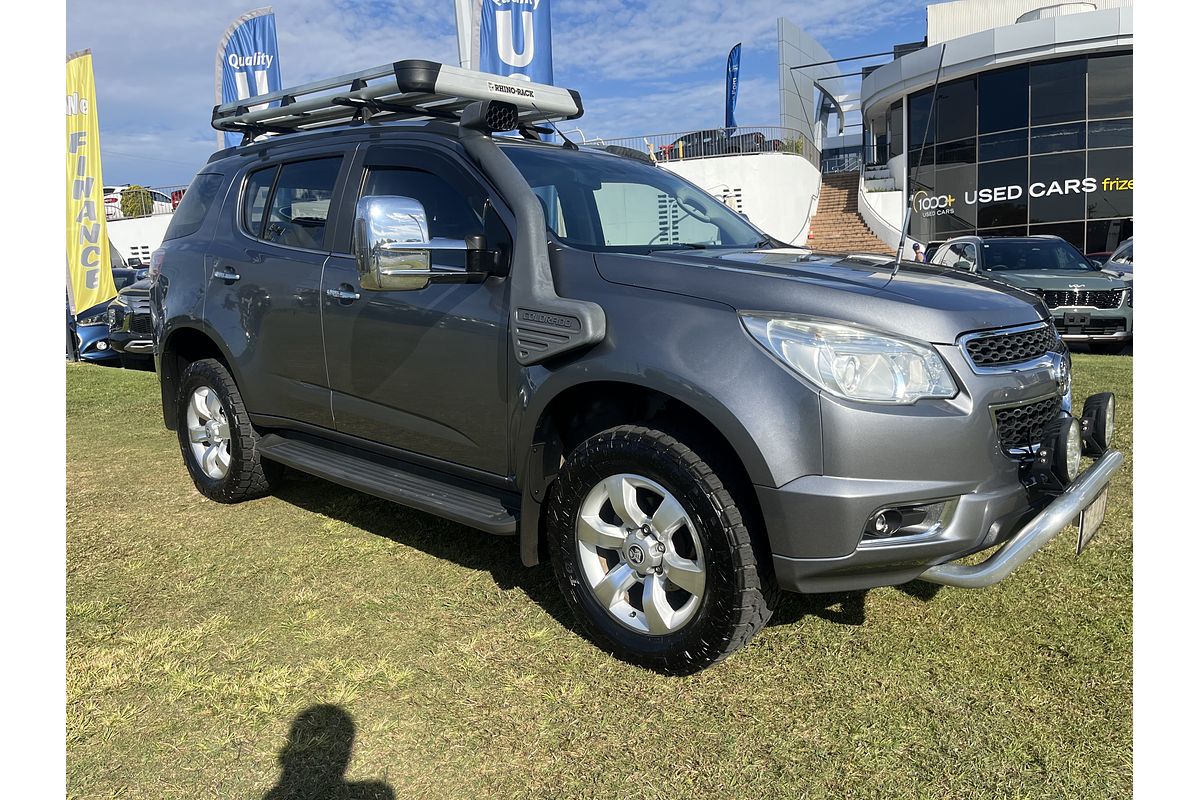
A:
1045,147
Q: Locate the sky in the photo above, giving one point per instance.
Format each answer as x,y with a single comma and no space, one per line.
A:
641,67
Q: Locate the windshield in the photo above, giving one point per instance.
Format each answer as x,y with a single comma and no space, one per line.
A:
598,201
1023,254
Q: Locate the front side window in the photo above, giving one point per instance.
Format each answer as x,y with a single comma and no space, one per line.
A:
298,209
599,201
449,213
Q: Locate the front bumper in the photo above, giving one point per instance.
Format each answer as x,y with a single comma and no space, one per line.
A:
1037,532
134,344
1103,325
1007,515
92,344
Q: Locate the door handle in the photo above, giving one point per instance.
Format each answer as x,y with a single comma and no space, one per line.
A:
345,293
226,275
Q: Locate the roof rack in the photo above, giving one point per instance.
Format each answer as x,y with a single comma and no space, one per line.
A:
404,90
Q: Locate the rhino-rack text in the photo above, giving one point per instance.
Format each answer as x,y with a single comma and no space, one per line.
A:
517,90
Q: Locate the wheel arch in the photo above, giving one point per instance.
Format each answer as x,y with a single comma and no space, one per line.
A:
182,345
569,416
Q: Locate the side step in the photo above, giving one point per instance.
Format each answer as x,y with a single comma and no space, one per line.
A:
414,487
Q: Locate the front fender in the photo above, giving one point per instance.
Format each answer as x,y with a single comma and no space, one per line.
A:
697,353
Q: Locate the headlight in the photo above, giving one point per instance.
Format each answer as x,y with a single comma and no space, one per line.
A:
854,363
95,319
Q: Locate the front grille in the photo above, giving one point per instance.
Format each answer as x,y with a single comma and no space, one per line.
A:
1021,426
1101,298
141,323
999,349
1094,327
138,304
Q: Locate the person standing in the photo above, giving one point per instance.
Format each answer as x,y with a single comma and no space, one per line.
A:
918,255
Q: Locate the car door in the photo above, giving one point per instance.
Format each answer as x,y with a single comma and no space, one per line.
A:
424,370
264,285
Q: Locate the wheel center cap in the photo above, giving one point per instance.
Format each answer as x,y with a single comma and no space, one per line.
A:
213,430
642,553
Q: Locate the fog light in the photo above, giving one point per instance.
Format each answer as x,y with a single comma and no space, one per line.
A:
915,520
886,522
101,345
1060,454
1097,423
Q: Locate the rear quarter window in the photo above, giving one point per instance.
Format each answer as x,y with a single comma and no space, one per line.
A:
194,206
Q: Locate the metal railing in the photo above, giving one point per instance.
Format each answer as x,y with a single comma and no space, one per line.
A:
131,202
717,142
843,162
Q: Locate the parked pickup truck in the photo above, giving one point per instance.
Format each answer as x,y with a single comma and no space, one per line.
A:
499,332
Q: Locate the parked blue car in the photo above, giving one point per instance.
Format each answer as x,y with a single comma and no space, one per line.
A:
87,332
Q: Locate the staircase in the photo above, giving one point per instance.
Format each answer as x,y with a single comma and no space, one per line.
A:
837,225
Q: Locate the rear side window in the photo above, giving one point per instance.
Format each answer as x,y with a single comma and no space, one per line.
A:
193,208
299,206
254,203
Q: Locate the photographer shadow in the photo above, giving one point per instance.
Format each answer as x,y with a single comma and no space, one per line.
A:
313,762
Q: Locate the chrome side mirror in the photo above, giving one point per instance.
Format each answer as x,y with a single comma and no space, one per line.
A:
393,249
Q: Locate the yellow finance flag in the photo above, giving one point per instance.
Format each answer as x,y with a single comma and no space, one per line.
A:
89,269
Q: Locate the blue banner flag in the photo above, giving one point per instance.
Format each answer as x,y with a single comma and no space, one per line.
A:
731,84
514,39
247,63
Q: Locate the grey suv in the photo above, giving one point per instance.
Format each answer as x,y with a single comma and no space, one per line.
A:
590,354
1088,304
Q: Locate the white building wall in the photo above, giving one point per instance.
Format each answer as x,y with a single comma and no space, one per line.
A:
138,237
963,17
778,190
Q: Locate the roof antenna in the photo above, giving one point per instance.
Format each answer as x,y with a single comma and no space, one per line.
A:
567,143
920,161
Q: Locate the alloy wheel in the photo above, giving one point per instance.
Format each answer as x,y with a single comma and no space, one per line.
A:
640,555
208,432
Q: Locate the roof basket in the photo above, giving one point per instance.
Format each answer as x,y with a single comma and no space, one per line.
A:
404,90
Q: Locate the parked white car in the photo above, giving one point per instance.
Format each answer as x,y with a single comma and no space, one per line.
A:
161,203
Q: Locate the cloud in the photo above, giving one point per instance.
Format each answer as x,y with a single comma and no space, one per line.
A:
623,40
695,105
641,66
154,65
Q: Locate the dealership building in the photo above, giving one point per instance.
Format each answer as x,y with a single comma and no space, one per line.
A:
1029,130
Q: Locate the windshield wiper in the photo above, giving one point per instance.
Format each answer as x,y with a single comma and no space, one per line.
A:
680,246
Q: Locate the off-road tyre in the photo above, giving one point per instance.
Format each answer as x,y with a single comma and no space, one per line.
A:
738,596
249,475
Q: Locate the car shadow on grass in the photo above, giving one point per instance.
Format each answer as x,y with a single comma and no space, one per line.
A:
844,608
313,762
439,538
476,550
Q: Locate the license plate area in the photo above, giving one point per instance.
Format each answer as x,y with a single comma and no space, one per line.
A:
1076,320
1091,519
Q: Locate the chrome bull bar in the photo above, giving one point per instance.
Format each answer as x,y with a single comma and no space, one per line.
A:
1061,512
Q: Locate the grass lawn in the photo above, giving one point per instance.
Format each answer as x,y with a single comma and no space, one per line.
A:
233,651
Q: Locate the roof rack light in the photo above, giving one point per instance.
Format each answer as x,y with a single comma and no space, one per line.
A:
404,90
